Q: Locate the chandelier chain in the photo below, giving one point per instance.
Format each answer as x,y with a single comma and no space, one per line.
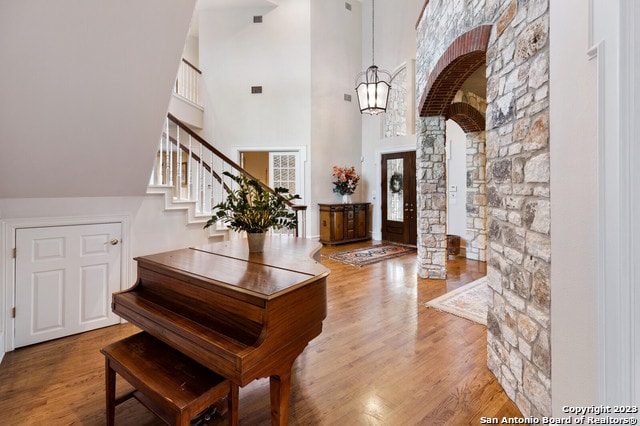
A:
373,31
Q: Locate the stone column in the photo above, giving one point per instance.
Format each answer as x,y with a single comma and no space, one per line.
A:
518,200
476,197
431,185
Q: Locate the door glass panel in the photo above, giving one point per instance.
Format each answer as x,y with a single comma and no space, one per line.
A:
395,195
283,171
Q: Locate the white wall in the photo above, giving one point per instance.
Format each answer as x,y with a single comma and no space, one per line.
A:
191,50
85,87
574,208
595,338
395,45
613,34
335,123
305,54
634,183
457,176
236,54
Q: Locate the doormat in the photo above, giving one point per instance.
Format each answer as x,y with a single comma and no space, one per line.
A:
469,301
371,254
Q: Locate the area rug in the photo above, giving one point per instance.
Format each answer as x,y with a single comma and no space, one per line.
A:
469,301
371,254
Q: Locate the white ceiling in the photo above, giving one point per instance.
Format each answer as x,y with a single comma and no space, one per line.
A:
194,30
222,4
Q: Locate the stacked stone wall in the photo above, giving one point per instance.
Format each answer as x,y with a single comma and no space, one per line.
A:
517,189
431,198
394,121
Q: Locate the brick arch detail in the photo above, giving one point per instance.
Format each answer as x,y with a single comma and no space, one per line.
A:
467,117
465,55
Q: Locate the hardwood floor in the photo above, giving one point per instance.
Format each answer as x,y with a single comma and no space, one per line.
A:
382,359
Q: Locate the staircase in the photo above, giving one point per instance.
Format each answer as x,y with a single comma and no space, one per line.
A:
188,172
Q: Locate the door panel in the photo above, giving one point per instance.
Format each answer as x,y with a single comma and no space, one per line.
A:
361,221
399,222
65,276
93,287
48,300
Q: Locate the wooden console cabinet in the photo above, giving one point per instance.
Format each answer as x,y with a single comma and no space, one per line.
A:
344,223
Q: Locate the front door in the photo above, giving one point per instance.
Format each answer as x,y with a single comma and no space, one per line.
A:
65,276
399,198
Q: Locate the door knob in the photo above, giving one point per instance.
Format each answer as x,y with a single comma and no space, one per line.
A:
114,241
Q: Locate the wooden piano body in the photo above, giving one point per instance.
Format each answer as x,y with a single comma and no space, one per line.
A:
243,315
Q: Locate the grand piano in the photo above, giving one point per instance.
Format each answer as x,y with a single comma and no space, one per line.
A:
243,315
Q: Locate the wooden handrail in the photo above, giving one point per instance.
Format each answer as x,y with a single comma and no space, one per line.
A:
224,158
191,66
209,167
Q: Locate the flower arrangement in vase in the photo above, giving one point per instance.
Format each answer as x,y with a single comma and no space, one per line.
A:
345,181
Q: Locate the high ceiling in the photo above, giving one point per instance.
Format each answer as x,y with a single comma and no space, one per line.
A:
220,4
225,4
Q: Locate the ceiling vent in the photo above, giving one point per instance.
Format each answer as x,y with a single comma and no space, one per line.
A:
257,19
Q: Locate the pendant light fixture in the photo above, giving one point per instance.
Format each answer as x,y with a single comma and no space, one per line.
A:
373,93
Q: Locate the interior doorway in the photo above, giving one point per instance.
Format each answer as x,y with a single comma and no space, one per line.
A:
275,168
398,179
456,179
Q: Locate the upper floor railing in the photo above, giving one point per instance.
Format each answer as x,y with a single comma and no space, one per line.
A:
188,82
193,168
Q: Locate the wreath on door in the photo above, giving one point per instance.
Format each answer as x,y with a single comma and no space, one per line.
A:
395,183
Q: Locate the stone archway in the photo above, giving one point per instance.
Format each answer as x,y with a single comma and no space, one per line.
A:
517,172
461,59
468,118
464,56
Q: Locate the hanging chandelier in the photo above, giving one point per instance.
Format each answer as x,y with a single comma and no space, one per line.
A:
372,91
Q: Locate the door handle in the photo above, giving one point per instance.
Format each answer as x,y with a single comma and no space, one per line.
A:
114,241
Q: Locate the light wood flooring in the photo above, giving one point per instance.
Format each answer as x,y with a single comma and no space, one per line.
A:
382,359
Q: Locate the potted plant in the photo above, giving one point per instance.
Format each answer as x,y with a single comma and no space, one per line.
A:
254,209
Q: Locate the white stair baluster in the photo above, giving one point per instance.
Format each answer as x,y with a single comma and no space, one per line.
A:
212,187
189,159
178,183
167,157
201,183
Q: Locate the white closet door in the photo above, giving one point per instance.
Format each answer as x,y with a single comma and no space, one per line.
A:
65,276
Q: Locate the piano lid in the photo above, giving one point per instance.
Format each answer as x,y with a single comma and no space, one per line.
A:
284,265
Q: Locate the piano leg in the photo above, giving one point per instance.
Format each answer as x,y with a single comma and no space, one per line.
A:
232,404
280,390
110,381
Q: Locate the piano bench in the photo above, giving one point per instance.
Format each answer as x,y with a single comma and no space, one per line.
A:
171,385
